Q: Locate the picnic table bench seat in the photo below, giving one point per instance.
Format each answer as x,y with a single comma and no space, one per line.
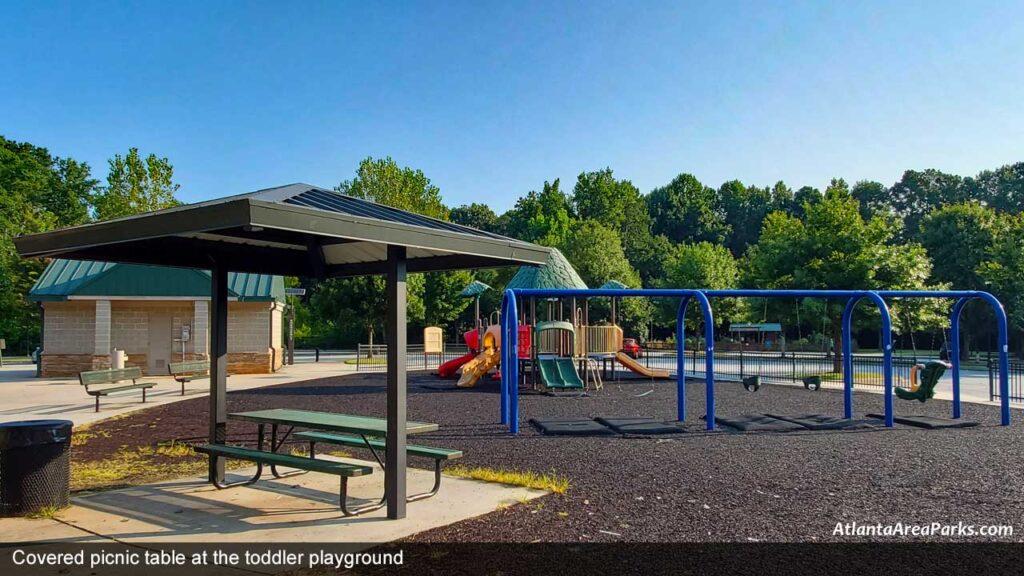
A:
108,382
438,455
343,470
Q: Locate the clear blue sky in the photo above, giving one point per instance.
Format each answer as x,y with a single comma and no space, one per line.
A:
490,99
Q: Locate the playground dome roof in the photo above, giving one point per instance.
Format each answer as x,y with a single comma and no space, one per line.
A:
555,274
613,285
474,289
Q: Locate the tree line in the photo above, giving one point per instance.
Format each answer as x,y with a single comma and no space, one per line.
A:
928,230
40,191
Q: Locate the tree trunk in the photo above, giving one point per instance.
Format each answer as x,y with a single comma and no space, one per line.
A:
965,348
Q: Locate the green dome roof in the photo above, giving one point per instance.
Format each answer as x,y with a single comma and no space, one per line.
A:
474,289
613,285
555,274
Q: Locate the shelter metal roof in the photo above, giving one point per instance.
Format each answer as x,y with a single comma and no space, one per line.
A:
299,230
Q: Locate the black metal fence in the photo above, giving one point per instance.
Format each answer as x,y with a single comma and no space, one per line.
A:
1016,380
374,359
786,367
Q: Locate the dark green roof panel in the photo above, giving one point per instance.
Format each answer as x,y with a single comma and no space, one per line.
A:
554,274
64,278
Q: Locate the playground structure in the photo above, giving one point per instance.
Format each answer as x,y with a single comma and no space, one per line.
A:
509,398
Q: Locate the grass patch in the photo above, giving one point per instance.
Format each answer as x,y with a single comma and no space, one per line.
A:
142,465
45,513
321,450
367,361
551,482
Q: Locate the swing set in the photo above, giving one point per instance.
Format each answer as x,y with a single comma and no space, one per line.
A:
509,397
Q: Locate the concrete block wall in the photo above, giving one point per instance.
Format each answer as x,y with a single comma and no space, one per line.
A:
248,327
70,327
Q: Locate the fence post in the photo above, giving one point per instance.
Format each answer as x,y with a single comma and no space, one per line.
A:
741,360
793,356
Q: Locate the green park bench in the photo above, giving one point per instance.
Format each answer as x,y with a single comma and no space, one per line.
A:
108,382
341,469
438,455
185,372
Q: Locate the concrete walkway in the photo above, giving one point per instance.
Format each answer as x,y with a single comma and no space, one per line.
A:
301,508
25,397
297,509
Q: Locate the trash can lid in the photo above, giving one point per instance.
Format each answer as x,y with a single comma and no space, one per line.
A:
23,433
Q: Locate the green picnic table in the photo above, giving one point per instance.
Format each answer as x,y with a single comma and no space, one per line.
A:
327,424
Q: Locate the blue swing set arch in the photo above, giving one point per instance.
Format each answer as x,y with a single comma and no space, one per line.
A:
509,403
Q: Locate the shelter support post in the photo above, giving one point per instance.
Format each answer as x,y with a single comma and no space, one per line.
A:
395,457
218,366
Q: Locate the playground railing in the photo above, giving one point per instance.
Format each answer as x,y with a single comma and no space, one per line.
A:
1016,380
375,359
786,367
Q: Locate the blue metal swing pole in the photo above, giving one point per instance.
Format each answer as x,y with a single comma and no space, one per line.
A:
513,365
954,351
681,359
504,356
1001,324
848,357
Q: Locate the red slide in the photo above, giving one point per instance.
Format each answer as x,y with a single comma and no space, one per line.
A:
447,370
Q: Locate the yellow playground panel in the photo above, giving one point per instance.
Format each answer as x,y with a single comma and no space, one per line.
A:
589,340
433,340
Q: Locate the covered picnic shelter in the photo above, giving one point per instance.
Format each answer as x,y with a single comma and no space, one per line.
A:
294,230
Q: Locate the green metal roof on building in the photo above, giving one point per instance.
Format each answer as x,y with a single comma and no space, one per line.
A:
554,274
63,279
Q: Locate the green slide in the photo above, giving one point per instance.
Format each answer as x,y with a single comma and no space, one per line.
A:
559,373
929,379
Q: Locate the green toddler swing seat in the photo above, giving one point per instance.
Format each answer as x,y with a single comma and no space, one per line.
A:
925,390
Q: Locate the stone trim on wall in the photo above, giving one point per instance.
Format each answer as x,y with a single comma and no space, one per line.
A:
69,365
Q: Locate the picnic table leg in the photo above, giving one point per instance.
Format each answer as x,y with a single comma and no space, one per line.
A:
275,445
259,466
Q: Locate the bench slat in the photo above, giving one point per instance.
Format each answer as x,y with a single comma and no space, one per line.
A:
176,368
109,376
115,389
277,459
355,441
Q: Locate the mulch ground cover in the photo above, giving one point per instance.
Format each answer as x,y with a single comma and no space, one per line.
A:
692,486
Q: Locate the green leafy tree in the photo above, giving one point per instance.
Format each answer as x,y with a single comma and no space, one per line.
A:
701,265
919,192
595,251
479,216
958,238
385,182
873,198
615,203
1003,271
1002,188
745,210
833,248
38,192
687,211
543,217
136,185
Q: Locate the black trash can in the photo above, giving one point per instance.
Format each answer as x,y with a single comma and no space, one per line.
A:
35,465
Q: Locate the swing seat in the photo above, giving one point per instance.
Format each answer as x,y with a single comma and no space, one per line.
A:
925,390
